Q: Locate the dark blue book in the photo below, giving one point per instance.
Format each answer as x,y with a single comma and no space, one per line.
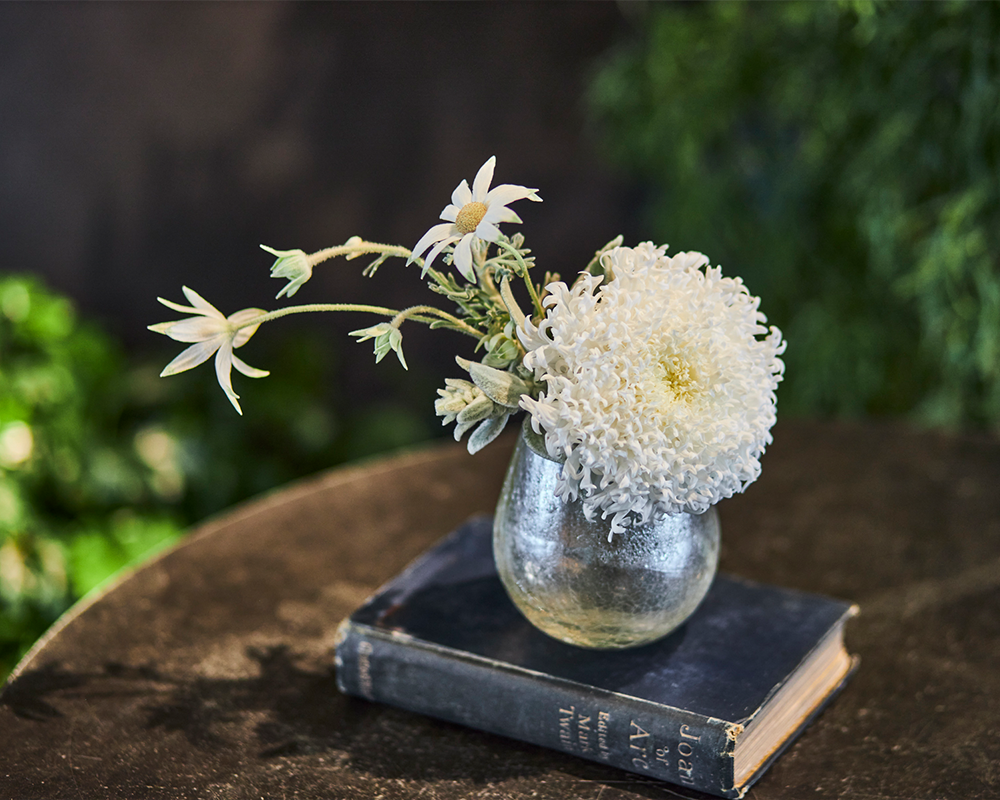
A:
710,706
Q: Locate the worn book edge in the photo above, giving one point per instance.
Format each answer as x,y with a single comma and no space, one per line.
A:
784,714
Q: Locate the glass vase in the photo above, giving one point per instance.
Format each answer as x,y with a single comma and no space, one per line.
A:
572,583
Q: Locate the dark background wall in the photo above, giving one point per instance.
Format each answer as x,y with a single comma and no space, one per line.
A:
146,146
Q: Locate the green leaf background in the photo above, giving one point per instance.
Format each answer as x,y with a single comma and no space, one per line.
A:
844,159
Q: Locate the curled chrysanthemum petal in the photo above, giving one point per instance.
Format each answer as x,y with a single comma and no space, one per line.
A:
660,384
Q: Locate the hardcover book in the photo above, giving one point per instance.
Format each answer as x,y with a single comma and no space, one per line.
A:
710,706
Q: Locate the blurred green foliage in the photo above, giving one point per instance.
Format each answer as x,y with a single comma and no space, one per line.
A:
65,480
844,159
102,463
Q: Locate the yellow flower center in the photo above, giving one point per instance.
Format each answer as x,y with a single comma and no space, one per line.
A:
678,377
469,217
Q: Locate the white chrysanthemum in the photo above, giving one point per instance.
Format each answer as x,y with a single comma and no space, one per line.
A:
659,385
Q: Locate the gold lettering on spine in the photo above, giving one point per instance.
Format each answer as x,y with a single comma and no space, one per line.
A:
686,735
639,744
566,717
583,733
603,749
580,732
685,767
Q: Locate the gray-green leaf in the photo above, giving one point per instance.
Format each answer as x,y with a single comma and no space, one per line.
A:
486,433
501,387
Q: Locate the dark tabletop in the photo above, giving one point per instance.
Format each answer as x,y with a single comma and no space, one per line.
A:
209,672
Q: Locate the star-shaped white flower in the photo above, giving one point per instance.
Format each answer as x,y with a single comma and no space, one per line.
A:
472,214
212,332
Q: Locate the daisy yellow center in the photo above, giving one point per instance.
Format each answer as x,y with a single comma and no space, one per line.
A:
469,217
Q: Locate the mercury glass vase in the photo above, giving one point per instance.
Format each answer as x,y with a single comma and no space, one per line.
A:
572,583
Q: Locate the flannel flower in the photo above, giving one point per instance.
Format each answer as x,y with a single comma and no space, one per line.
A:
212,332
660,385
291,264
471,215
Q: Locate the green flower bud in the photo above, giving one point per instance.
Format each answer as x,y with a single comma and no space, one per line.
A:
291,264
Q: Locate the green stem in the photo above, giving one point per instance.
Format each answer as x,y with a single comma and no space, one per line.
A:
414,313
313,307
459,325
489,286
359,248
535,301
437,276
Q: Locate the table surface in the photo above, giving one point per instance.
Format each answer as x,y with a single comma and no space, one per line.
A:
208,673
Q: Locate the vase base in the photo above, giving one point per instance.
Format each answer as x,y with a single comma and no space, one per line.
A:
600,629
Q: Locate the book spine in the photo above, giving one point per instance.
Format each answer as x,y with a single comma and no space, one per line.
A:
645,738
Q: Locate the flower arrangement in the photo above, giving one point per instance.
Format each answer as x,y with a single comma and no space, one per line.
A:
650,378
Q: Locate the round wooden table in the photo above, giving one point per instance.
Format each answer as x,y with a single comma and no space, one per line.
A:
208,673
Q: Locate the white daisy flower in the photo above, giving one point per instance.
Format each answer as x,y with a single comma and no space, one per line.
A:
660,385
212,332
472,214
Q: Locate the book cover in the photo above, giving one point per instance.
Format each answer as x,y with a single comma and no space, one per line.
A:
709,706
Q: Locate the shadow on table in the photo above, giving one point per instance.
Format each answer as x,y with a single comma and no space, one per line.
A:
31,695
288,711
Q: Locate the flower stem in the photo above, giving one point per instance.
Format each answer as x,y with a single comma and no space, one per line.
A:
354,248
458,324
415,313
314,307
535,301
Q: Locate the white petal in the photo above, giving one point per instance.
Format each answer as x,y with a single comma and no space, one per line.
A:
243,336
178,306
192,357
200,303
435,234
463,258
499,213
224,373
436,251
507,193
481,185
246,369
487,231
461,195
450,213
192,329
